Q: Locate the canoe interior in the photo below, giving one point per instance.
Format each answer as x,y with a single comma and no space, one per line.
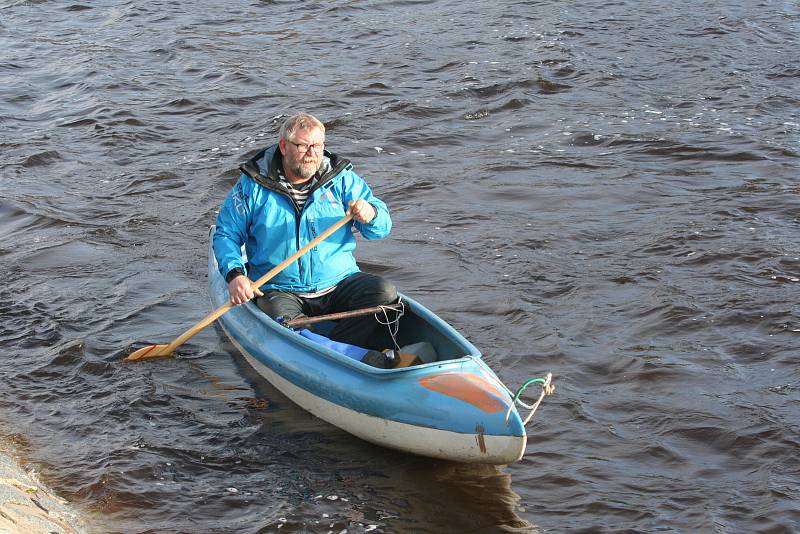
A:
414,328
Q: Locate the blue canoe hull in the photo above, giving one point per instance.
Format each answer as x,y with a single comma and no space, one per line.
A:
455,408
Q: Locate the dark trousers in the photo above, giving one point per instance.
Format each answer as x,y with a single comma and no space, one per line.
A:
359,290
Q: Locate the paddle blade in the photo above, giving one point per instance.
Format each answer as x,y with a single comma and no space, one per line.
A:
150,351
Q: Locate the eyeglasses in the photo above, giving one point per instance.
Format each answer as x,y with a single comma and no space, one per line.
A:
303,147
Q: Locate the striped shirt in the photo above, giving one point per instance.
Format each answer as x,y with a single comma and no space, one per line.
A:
298,192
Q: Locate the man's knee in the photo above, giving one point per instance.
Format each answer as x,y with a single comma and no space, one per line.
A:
386,292
367,289
380,290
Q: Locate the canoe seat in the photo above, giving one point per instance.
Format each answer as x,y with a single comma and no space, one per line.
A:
407,360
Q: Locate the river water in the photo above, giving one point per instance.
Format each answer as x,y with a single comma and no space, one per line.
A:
604,190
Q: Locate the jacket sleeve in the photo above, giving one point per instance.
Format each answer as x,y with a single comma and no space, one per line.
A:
231,232
380,226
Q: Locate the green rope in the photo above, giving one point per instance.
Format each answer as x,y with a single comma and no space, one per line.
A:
524,386
547,389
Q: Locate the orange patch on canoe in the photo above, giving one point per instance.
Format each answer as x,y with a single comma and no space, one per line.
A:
468,388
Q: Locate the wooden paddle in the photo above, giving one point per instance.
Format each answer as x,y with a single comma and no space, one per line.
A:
155,351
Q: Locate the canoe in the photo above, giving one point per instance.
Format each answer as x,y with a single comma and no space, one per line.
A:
453,408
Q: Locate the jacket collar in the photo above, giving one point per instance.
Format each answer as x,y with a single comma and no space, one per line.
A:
265,167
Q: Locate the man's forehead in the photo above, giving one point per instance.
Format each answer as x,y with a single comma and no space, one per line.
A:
312,131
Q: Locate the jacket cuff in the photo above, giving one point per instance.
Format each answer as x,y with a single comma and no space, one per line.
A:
233,273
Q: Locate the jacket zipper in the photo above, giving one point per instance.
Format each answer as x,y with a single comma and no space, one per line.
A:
251,169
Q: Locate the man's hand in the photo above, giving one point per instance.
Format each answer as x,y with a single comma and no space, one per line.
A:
362,211
239,289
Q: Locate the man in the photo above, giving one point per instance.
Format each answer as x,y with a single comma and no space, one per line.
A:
288,194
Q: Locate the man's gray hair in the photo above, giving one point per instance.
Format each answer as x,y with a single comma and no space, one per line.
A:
300,121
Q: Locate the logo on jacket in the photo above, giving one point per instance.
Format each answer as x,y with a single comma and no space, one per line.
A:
238,199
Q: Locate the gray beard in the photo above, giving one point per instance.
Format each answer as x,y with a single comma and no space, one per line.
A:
304,171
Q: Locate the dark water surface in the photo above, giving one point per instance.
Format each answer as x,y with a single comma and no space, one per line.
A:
606,190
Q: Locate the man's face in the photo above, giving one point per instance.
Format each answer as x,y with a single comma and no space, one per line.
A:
302,153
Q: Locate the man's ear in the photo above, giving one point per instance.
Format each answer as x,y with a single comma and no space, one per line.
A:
282,146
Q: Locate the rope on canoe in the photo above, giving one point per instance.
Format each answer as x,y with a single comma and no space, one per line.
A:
393,325
547,389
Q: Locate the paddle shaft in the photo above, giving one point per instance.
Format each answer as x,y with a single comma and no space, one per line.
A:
219,312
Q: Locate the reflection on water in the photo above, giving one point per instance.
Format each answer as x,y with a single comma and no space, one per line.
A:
479,498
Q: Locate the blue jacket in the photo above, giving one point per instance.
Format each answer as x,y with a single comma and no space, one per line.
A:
260,214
